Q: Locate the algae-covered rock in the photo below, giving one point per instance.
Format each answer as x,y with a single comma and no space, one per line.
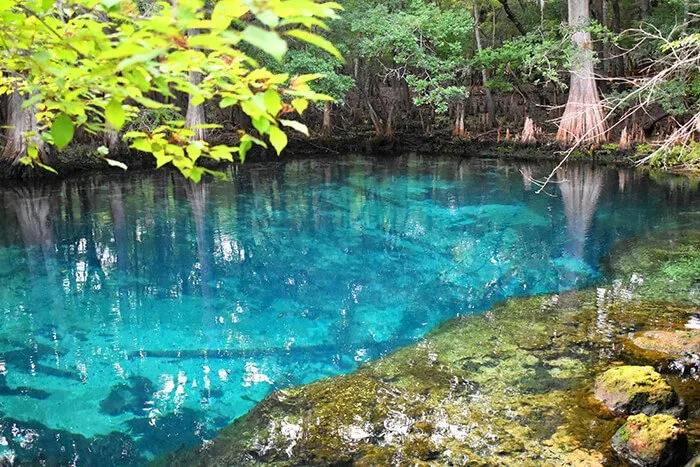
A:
655,441
635,389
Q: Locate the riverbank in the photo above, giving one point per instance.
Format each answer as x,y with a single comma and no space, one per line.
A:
83,158
512,385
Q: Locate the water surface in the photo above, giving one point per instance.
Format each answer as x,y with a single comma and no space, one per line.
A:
141,312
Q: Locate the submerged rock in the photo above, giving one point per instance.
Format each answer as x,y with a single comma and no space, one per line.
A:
129,397
665,266
672,343
656,441
510,386
676,351
636,389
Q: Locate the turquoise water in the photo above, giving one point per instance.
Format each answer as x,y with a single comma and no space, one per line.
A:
141,313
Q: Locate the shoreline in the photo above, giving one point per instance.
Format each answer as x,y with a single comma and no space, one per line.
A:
79,159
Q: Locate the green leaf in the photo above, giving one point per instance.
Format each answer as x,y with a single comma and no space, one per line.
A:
143,145
278,139
194,150
62,131
103,150
300,105
243,149
114,113
228,102
194,173
47,168
267,41
162,160
114,163
298,126
273,102
261,124
315,39
46,5
268,18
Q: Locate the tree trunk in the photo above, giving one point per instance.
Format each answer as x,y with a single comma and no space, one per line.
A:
459,129
605,47
376,121
484,74
389,129
195,113
617,28
19,122
326,128
111,140
529,132
583,119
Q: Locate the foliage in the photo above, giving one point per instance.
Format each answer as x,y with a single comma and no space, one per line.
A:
538,58
687,156
672,81
423,44
333,83
92,64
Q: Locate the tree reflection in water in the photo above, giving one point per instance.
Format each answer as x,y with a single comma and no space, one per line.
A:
580,187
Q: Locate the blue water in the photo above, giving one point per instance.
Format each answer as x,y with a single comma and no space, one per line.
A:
141,313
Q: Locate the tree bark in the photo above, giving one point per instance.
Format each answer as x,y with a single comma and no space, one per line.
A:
617,28
326,128
583,119
484,74
376,121
195,113
19,122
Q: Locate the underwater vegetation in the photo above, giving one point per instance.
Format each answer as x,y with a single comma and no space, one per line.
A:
539,380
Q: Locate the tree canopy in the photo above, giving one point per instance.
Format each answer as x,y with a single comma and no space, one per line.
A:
190,80
91,64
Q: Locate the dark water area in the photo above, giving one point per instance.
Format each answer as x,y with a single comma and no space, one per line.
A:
141,312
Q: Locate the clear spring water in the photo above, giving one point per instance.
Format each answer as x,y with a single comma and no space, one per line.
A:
141,313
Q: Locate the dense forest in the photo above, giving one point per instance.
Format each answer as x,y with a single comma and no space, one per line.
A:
184,80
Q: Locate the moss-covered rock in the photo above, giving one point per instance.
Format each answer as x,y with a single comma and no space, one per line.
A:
636,389
509,386
656,441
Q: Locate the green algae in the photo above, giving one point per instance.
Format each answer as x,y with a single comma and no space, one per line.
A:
667,265
512,385
659,440
632,389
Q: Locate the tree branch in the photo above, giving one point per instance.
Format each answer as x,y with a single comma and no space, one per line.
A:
512,17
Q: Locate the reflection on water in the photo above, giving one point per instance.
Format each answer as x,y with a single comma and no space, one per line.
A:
580,187
142,312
